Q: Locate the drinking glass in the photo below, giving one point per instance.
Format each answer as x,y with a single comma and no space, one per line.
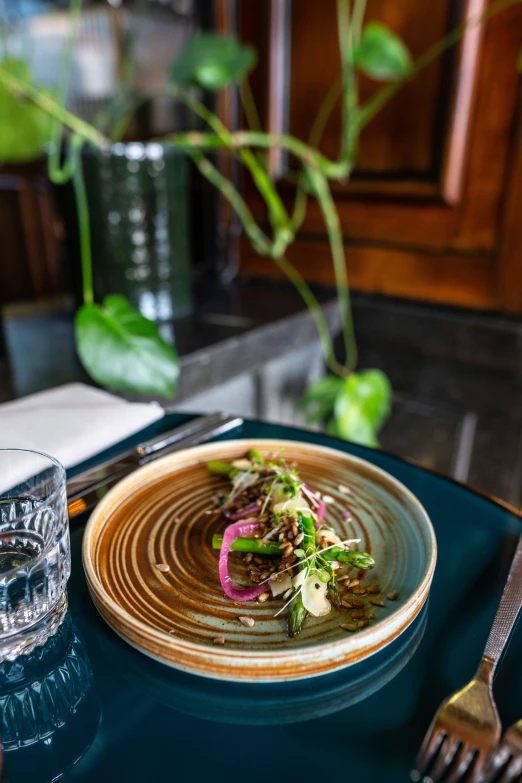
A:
35,560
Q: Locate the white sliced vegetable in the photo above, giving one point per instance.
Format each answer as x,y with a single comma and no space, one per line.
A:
280,587
292,506
244,480
298,580
314,596
242,464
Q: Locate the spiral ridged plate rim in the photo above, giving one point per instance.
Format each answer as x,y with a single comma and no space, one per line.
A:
157,515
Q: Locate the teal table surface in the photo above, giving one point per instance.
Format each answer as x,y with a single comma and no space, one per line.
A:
135,720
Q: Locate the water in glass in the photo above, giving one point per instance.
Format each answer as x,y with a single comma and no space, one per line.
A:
34,550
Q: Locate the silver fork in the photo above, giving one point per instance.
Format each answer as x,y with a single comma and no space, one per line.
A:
466,726
506,759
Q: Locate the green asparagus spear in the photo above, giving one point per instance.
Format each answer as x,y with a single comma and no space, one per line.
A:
359,560
333,593
296,616
254,545
220,468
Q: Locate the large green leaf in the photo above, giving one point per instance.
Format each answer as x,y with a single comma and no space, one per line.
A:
212,61
124,351
319,398
381,54
362,406
24,127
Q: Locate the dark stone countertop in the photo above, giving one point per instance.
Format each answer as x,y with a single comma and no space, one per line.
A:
232,330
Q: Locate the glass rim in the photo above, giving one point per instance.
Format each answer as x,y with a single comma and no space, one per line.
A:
45,503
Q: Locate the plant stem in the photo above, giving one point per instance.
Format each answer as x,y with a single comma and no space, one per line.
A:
56,174
350,125
323,115
300,204
49,105
359,10
82,209
249,105
258,238
278,216
381,98
261,245
333,226
313,305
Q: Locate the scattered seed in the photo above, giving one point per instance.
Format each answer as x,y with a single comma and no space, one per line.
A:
356,603
359,591
392,595
248,621
298,539
265,575
370,616
219,640
347,515
374,589
344,579
353,583
358,614
295,528
362,623
274,577
177,520
377,602
263,597
258,560
162,567
347,604
328,499
172,631
344,490
248,558
283,545
289,550
348,627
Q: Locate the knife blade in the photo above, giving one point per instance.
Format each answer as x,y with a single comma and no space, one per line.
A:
86,489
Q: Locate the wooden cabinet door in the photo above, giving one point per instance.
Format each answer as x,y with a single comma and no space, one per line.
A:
433,209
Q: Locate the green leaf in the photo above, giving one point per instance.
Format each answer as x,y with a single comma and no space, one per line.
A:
362,406
25,128
124,351
319,398
323,390
381,54
212,61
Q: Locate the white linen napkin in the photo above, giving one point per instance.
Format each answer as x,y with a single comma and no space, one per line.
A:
72,422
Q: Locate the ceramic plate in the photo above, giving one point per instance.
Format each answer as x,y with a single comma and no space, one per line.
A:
157,515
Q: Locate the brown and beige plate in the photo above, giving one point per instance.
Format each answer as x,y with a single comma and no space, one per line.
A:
157,516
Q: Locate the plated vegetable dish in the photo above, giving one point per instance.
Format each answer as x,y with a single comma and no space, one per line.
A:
291,552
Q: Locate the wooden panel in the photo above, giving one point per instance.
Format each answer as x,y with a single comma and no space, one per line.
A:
450,279
402,137
30,260
433,212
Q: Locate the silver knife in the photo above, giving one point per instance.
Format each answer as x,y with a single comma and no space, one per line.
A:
84,490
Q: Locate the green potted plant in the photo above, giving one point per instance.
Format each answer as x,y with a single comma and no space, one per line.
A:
123,350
